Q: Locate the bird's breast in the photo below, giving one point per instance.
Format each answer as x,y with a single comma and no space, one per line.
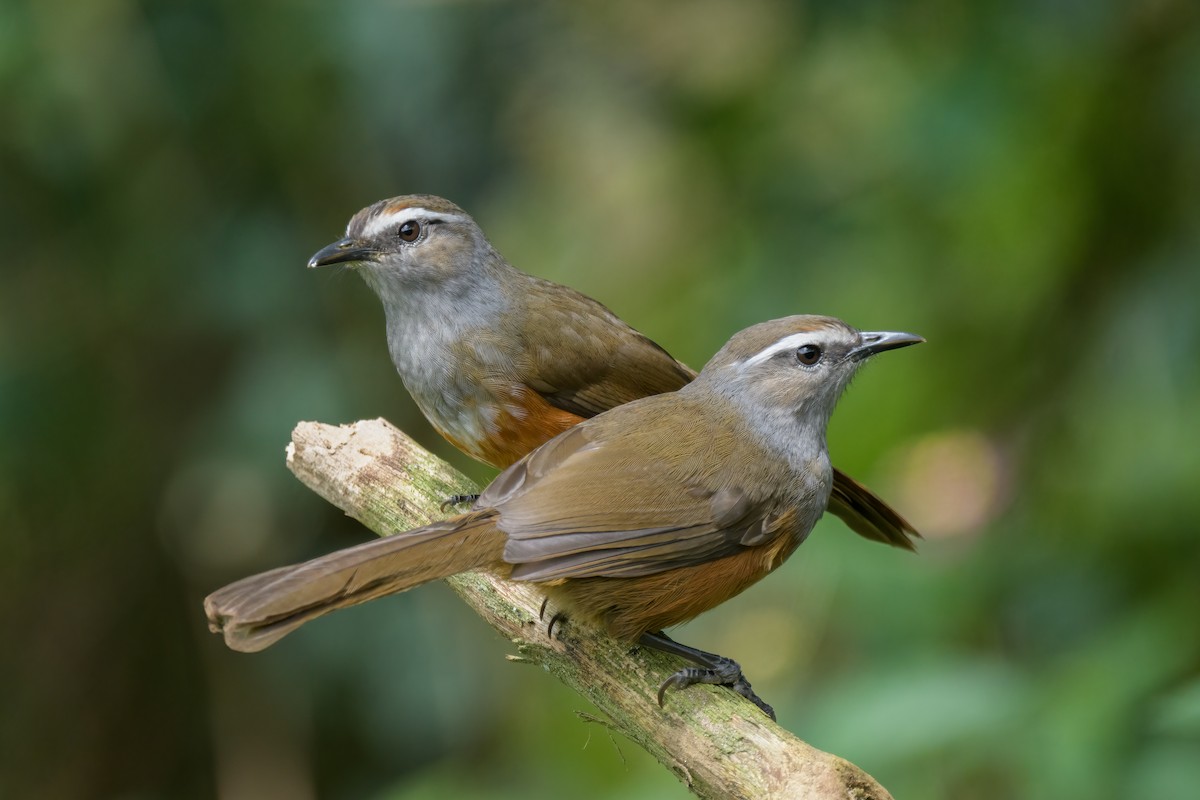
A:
497,425
465,381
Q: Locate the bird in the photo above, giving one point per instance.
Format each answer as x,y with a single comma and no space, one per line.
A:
634,520
500,361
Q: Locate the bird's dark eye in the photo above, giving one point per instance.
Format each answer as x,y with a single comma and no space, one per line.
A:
808,354
409,231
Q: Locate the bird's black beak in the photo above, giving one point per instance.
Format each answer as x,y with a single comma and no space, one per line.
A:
877,341
343,251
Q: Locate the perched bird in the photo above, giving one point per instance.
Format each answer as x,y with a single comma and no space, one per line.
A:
500,361
635,520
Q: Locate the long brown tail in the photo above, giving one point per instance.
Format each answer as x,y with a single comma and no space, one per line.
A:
255,612
867,515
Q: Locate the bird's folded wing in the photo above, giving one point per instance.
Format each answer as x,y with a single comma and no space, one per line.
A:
596,501
592,361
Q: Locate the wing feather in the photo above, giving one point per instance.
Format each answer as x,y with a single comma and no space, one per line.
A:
561,521
594,361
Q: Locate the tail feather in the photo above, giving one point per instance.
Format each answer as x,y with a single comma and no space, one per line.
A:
869,516
256,612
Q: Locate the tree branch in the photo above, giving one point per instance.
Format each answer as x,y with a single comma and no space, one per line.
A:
718,744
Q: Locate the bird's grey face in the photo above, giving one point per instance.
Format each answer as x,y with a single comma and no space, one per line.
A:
799,362
407,241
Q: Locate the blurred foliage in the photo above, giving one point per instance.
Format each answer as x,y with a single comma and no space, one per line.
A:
1019,182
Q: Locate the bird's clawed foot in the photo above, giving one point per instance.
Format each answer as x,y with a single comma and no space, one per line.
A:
458,500
557,618
714,669
742,687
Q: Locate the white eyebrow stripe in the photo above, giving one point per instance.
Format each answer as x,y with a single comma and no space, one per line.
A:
786,343
385,221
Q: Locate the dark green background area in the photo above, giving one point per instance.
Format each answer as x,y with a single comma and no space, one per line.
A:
1018,182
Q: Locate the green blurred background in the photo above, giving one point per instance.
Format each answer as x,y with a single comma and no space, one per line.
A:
1019,182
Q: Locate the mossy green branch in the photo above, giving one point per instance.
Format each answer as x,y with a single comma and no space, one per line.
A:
718,744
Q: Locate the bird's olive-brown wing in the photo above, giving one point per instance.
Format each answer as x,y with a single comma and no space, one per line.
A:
584,359
606,499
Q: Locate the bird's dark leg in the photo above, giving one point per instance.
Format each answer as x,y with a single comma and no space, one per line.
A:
458,500
713,669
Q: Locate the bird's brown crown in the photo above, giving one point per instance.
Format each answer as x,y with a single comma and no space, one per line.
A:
757,339
394,205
